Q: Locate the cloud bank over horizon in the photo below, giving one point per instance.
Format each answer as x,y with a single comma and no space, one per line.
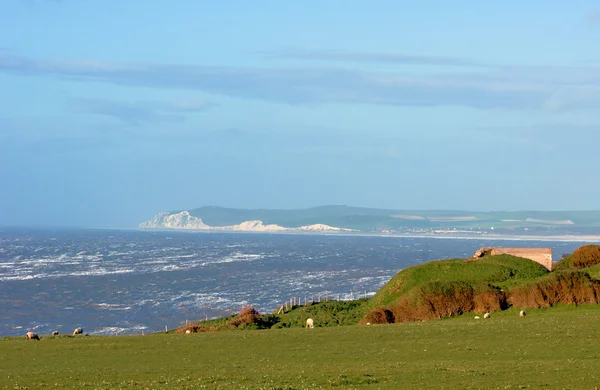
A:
499,87
397,107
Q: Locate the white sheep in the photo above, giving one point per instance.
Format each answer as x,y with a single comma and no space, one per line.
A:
522,313
486,315
310,323
32,336
78,331
188,331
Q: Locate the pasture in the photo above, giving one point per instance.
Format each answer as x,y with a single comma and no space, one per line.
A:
556,348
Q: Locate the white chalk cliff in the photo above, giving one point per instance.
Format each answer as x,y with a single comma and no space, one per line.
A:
185,221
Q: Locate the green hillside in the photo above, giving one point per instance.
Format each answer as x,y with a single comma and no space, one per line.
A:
555,348
501,271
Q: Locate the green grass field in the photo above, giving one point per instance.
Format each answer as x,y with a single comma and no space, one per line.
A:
557,348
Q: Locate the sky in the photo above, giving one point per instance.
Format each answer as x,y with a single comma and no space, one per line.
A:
112,110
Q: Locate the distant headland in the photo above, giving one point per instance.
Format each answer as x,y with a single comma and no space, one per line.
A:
584,225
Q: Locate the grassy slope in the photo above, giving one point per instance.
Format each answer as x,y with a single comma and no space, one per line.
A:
367,218
501,271
551,348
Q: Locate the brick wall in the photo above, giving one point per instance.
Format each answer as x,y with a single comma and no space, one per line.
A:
539,255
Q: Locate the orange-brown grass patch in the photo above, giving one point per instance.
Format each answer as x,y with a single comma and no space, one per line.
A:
378,315
571,287
247,317
585,256
436,300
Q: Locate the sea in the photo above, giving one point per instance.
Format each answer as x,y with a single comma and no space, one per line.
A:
133,281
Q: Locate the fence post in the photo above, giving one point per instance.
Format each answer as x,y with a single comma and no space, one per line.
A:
326,296
339,296
319,297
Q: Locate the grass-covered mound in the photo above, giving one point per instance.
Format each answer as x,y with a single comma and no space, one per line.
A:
585,257
448,288
500,271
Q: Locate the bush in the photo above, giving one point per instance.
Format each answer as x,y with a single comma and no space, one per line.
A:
248,316
379,315
570,287
585,256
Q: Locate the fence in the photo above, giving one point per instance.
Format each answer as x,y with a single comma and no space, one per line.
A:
305,300
297,301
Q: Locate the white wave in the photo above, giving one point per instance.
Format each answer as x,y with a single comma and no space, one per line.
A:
112,306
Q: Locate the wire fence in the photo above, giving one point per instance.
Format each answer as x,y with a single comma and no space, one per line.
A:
313,298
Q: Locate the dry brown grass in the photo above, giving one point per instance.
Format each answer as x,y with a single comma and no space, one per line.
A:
585,256
248,316
378,315
436,300
572,287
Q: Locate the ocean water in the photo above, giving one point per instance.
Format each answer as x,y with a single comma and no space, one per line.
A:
117,281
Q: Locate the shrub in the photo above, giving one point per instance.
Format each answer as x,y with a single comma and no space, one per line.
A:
585,256
379,315
248,316
570,287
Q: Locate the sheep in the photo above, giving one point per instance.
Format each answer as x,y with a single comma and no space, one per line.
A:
55,333
310,323
188,331
476,317
522,313
32,336
78,331
486,315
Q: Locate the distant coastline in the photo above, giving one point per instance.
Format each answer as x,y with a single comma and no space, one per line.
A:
573,226
498,237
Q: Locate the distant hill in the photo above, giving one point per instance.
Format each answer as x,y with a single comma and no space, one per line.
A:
368,219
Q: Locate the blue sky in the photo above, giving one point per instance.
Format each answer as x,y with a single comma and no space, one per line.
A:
111,111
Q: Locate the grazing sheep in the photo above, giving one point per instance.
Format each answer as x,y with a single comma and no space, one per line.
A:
188,331
78,331
476,317
486,315
32,336
55,333
522,313
310,323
